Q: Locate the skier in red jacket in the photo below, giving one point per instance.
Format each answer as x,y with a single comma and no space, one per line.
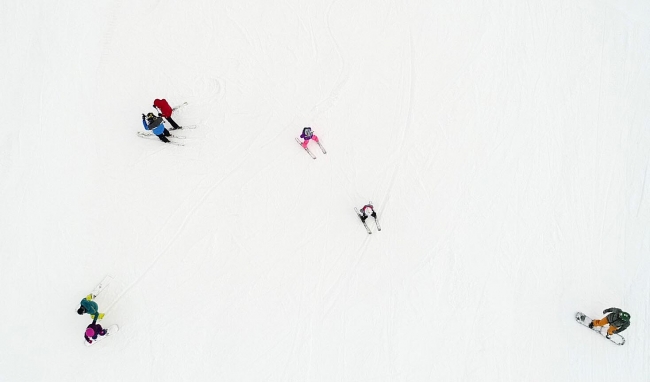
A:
166,111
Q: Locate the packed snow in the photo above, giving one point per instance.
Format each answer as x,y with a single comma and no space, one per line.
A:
504,143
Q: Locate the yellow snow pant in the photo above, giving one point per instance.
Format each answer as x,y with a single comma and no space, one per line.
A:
602,322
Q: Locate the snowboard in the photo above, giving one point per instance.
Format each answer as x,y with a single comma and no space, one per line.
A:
101,286
111,330
584,320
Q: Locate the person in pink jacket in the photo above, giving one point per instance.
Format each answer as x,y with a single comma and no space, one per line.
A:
93,330
307,134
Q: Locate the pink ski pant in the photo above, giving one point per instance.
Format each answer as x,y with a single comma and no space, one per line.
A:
306,142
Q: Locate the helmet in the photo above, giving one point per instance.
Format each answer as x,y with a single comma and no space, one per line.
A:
150,116
625,316
90,332
81,310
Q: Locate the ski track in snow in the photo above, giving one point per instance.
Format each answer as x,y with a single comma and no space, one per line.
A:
505,146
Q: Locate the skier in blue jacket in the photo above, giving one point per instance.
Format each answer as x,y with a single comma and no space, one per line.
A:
155,125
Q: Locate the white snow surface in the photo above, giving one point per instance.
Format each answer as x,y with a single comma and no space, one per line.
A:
505,144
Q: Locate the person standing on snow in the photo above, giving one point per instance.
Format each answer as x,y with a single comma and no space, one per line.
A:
89,306
155,124
307,134
617,320
166,111
93,330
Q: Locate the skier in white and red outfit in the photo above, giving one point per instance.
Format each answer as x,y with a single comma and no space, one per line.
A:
364,214
166,111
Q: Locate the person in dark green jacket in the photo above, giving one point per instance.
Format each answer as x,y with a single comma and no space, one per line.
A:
617,320
89,306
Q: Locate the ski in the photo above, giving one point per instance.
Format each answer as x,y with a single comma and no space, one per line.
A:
362,221
186,127
179,106
150,135
376,221
145,135
321,148
584,320
306,149
111,330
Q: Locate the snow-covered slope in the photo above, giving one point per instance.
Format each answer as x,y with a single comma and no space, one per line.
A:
505,144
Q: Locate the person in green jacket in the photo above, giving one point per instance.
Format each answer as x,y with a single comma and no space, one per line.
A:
89,306
617,320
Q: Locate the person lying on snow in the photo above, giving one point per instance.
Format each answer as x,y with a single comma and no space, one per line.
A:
156,125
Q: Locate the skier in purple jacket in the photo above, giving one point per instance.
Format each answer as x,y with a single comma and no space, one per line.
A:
307,134
93,330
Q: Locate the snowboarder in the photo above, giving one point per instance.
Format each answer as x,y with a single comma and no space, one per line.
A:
89,306
155,124
166,111
307,134
364,215
617,320
93,330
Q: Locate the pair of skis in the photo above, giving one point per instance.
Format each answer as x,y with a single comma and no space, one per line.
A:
364,221
150,135
309,151
140,133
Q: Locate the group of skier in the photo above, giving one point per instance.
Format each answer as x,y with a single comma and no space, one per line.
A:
154,123
307,135
90,307
617,319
